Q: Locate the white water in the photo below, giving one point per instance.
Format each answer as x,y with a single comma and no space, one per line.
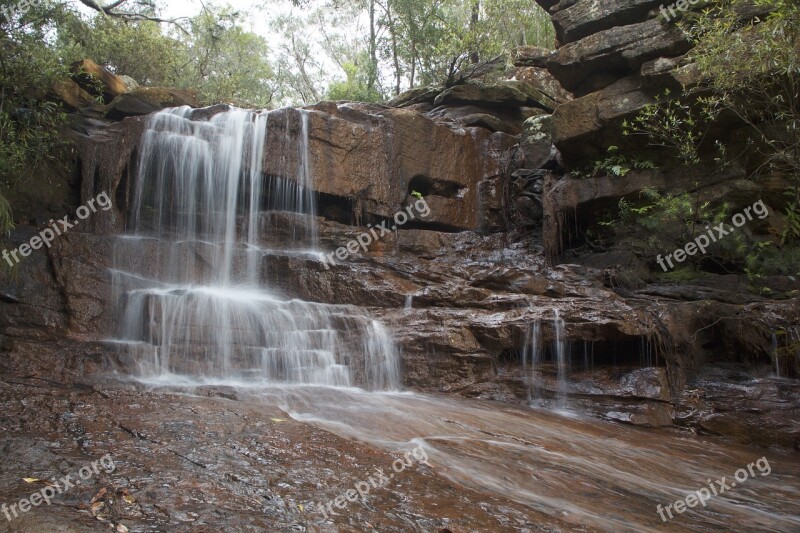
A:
187,276
533,352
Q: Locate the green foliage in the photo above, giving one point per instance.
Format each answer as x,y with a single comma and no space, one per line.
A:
6,218
615,164
416,194
791,232
751,69
122,46
660,223
29,126
355,88
216,56
675,125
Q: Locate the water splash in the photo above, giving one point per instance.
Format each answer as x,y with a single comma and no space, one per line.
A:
187,275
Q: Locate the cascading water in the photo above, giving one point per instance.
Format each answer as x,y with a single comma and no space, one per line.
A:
533,351
187,274
561,358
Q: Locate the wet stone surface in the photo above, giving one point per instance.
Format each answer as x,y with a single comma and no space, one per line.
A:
209,461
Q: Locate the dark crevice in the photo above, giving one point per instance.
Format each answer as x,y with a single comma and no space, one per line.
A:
430,187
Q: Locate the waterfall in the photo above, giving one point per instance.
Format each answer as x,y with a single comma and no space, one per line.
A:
409,302
533,343
561,358
775,354
533,351
187,274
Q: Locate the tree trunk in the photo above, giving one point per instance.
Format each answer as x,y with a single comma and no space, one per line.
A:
475,56
373,49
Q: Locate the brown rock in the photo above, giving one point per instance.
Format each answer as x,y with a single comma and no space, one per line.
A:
505,94
87,74
541,79
71,94
622,49
146,100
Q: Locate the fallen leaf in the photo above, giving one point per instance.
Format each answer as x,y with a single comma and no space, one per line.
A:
99,495
129,499
30,479
121,529
96,507
278,420
300,506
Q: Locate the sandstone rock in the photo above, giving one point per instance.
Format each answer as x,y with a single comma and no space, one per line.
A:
507,120
146,100
531,56
71,94
87,73
419,95
489,122
583,18
541,79
129,82
537,143
621,49
587,125
505,94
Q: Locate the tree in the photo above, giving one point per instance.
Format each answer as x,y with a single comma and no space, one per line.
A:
28,123
226,62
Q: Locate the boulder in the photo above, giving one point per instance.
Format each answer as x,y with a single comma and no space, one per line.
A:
621,50
531,56
583,18
146,100
71,94
542,80
88,74
587,125
537,143
420,95
504,94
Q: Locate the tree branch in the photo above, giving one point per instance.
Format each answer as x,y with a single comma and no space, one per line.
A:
109,11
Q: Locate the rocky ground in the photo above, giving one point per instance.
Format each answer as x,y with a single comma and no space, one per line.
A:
205,461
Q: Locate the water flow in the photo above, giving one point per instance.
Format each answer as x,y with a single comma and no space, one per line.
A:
561,358
187,275
533,352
